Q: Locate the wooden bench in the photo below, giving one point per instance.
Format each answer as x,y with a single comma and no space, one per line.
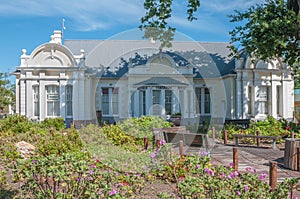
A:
244,123
177,133
190,139
258,137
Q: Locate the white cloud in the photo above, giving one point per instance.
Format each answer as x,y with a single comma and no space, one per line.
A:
86,14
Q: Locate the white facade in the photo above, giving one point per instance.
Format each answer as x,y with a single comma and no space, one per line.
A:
122,79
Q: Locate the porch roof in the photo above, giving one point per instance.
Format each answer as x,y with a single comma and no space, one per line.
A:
160,81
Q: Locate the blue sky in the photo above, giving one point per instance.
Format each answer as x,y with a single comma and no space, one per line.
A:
27,24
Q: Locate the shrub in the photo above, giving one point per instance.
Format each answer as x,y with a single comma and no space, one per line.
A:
15,124
56,123
142,127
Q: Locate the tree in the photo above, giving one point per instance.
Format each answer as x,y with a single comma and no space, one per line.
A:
7,92
270,30
155,22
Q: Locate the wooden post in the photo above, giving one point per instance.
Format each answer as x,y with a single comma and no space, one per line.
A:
181,148
225,136
213,133
235,158
145,143
258,139
298,158
157,143
273,175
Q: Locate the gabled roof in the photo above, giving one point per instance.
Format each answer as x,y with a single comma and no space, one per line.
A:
160,81
208,59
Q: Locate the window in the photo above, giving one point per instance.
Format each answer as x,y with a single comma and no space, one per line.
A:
263,100
110,101
36,100
156,102
204,100
105,101
69,92
168,102
52,100
115,101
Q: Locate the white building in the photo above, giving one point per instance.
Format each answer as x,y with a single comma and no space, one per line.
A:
124,79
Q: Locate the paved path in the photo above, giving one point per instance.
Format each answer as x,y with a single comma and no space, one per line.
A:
256,157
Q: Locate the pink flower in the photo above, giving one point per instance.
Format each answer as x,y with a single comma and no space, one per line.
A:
246,187
248,168
112,192
93,166
152,155
204,153
262,176
91,172
209,172
238,193
162,142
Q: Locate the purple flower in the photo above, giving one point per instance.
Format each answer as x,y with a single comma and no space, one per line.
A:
112,192
248,168
34,161
238,193
197,166
262,176
231,165
246,187
100,192
120,184
209,172
204,153
222,175
162,142
233,174
91,172
152,155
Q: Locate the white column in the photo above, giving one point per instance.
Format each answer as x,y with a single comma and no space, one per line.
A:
43,100
62,97
175,101
274,99
162,102
185,106
22,97
256,98
238,96
18,95
110,100
29,100
245,100
192,105
136,103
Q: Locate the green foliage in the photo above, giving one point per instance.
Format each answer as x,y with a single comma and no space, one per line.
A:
155,21
269,127
56,123
7,92
142,127
15,124
55,142
268,31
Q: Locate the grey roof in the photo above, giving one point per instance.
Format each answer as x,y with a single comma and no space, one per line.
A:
209,59
160,81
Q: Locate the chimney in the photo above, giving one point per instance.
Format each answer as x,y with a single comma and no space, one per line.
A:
56,37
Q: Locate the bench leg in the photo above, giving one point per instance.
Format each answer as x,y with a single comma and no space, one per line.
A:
236,141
